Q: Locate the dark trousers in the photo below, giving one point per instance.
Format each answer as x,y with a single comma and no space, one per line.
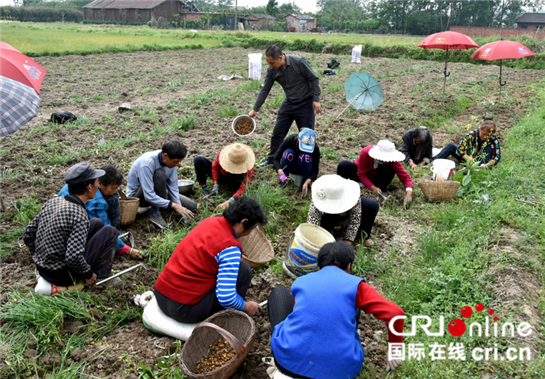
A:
114,209
303,115
99,254
203,169
449,150
280,305
452,150
302,167
160,188
208,305
369,210
382,179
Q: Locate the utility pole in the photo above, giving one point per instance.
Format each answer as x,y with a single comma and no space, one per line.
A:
236,18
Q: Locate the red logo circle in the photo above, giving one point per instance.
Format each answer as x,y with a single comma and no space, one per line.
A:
479,307
457,327
467,312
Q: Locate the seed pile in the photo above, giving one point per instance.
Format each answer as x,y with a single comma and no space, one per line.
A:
219,354
244,127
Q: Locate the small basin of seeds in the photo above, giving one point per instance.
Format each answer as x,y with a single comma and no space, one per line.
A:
244,127
219,354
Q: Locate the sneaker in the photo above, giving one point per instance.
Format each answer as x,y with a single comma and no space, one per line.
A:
266,162
155,214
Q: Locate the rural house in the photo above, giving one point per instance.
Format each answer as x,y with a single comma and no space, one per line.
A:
141,10
263,20
300,22
531,21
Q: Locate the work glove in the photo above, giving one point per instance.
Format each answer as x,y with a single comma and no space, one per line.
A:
283,177
214,191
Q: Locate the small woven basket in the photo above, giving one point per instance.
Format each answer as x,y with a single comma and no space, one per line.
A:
257,249
236,327
440,189
128,207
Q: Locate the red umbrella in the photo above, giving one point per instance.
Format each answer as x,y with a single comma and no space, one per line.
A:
447,41
19,67
501,50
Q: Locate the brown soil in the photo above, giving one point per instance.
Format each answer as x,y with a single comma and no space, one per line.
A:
220,353
244,127
92,87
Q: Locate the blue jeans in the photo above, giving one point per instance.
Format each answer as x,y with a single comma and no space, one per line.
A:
303,166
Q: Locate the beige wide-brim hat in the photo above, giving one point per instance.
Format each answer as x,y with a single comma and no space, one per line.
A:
385,151
334,194
237,158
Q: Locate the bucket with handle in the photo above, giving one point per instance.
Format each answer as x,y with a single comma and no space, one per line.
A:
304,247
443,166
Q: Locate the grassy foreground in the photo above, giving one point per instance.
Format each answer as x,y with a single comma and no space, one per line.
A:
458,263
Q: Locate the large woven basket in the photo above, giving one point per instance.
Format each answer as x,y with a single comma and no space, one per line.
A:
439,191
236,327
257,249
129,207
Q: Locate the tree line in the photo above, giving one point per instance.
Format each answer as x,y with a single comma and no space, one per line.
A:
420,17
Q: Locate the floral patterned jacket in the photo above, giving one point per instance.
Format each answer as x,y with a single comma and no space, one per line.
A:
470,145
352,220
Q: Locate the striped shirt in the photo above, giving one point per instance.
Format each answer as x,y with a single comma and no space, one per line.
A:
226,285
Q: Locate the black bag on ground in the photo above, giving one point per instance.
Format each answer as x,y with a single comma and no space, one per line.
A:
333,65
62,117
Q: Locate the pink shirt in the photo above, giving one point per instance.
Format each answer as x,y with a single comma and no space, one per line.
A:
366,169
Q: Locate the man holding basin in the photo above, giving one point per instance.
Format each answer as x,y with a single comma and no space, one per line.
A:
302,89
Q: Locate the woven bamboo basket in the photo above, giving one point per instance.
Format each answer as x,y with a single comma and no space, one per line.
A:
256,248
236,327
129,207
440,189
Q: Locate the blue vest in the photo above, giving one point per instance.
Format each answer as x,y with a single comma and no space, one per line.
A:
319,339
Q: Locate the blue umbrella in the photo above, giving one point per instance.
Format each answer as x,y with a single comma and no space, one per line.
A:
19,104
363,92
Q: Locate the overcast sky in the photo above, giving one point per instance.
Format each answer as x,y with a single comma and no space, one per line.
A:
305,5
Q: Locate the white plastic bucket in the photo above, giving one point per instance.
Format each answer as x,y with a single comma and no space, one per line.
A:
307,241
443,166
243,117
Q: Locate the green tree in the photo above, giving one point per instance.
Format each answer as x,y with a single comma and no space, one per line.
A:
272,7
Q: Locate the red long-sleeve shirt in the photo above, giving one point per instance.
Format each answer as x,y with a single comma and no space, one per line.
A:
371,302
217,170
366,169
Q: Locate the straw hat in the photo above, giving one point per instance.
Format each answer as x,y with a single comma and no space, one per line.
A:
237,158
385,151
334,194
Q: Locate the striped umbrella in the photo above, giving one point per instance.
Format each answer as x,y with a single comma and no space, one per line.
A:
19,104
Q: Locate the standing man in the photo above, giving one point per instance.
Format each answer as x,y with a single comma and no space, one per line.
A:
153,179
302,89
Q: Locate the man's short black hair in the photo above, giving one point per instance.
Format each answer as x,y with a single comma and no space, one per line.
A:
274,52
175,149
79,189
339,254
112,176
245,207
422,134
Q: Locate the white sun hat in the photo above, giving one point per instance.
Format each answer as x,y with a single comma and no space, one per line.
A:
385,151
334,194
